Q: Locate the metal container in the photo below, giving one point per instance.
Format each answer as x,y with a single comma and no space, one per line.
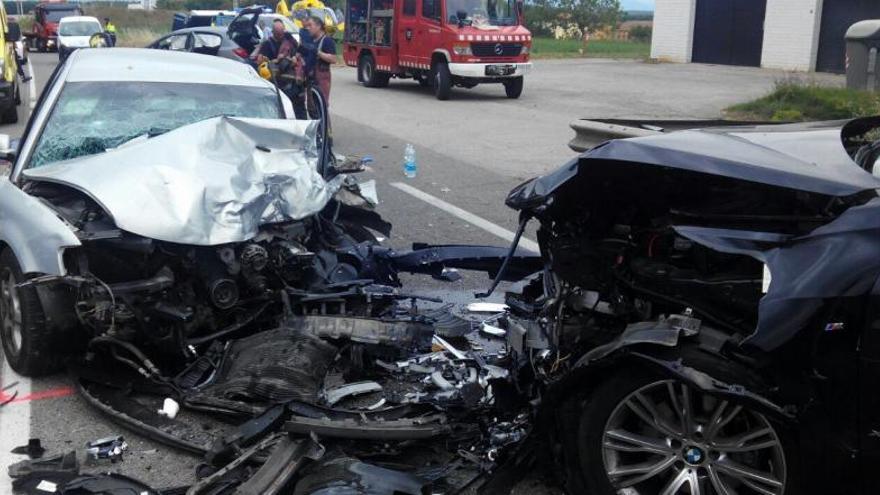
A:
863,55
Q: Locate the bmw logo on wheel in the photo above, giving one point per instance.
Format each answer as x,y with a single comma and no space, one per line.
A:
693,455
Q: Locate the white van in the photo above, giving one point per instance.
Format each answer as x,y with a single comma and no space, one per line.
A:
74,32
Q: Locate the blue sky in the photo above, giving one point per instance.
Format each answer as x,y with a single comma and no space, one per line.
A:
637,4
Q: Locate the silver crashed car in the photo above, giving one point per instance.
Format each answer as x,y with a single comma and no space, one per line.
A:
132,145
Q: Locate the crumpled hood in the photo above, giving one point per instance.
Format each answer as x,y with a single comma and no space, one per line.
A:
208,183
808,157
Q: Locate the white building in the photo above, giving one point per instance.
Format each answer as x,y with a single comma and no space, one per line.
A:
802,35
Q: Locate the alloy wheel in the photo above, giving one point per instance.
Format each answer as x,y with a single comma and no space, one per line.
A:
10,310
668,438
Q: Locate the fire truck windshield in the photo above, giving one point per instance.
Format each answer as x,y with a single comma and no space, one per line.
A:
481,12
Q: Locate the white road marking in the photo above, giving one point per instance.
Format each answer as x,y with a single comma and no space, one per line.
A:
15,422
467,216
32,85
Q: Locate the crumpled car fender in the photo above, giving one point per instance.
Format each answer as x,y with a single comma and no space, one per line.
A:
665,349
33,231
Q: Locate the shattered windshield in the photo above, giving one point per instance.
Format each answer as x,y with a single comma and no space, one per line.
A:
479,13
79,28
92,117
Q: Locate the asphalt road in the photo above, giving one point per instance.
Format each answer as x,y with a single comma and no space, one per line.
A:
471,151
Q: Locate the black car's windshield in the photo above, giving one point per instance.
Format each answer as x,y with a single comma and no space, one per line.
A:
79,28
92,117
481,12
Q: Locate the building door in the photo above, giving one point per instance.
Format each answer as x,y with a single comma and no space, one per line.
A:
837,17
729,32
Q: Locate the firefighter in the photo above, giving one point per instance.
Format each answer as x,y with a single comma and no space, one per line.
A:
279,45
320,54
110,29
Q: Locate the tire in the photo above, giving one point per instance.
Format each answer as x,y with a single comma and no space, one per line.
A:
442,81
607,426
513,88
29,344
369,75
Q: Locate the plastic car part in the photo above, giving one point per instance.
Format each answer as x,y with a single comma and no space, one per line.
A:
400,429
54,469
266,369
348,475
110,448
364,330
334,395
248,433
285,461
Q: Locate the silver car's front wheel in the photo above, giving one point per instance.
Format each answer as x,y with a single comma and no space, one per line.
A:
668,438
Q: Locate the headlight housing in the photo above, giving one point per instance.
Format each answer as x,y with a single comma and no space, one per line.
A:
462,49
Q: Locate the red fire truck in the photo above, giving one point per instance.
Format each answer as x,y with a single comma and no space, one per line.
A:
439,43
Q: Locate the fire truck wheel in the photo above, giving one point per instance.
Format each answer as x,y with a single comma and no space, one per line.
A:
442,81
371,77
514,87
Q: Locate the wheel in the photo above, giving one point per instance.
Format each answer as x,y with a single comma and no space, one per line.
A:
513,88
28,343
369,75
642,434
442,81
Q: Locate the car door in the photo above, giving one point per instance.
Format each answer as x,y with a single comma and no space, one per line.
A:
406,34
244,31
429,22
869,391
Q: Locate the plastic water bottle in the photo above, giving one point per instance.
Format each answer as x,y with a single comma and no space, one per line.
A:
409,162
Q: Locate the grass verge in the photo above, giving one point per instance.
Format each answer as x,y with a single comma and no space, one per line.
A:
135,28
792,101
553,48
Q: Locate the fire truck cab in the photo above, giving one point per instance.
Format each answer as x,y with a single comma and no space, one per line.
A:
439,43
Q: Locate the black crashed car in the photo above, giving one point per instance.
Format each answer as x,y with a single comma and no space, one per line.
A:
708,320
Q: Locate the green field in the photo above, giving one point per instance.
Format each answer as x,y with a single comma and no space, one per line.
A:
793,101
553,48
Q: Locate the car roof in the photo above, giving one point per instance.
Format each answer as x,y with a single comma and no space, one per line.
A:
146,65
74,18
221,30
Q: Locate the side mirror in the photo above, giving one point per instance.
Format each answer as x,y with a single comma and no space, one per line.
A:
13,32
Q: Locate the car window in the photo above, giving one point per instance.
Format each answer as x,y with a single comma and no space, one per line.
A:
431,9
206,40
92,117
175,42
409,7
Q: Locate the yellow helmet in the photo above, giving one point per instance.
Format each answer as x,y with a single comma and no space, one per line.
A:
264,71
